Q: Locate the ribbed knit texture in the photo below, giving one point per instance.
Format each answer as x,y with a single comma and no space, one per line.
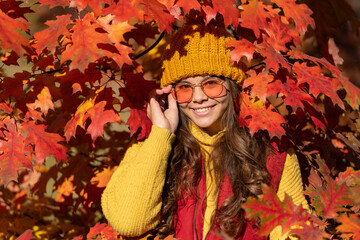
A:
197,50
132,199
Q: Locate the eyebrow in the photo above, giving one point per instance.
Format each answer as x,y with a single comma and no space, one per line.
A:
205,78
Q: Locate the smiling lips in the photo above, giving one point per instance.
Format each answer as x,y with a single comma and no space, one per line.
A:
203,110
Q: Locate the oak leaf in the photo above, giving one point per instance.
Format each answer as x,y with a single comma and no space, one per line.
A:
84,47
44,101
254,16
294,96
65,189
318,83
158,12
259,84
300,13
102,178
139,122
256,116
45,143
10,39
241,48
228,9
48,38
350,226
99,118
12,151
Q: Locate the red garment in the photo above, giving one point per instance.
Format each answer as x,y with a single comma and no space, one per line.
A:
191,210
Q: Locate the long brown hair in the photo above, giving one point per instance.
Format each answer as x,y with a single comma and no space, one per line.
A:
236,153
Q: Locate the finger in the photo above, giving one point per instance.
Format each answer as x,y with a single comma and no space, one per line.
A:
172,102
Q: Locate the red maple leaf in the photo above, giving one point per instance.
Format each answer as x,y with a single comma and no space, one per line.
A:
105,230
84,48
241,48
6,108
294,96
158,12
187,5
12,152
210,13
228,9
124,10
10,58
48,38
139,121
10,38
98,119
300,13
273,58
259,84
318,83
274,212
279,34
254,16
96,5
256,116
45,143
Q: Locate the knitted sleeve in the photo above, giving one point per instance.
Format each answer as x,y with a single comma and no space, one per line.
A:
290,184
132,199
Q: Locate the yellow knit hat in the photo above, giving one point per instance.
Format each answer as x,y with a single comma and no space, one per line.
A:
197,50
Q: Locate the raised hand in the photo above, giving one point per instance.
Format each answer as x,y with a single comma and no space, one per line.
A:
162,113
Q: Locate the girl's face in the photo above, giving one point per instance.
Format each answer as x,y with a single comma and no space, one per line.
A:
204,111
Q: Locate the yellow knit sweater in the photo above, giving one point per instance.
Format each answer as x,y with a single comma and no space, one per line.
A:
133,197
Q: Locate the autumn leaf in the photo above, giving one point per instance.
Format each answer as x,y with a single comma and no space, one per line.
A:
273,58
229,11
12,152
158,12
45,143
10,39
300,13
13,86
55,3
294,96
241,48
14,9
44,101
48,38
5,108
104,230
65,189
256,116
350,226
254,16
334,52
99,118
259,84
96,5
84,47
10,58
187,5
102,178
138,120
124,10
274,212
318,83
279,34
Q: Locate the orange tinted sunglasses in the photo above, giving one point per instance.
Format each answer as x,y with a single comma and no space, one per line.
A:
212,87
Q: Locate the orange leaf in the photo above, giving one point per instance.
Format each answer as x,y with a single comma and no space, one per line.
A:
10,39
65,189
102,178
12,152
350,226
98,119
48,38
45,143
229,11
44,101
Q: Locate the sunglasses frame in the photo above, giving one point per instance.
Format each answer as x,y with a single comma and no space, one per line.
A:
222,81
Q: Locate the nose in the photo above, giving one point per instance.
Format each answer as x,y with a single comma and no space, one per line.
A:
198,95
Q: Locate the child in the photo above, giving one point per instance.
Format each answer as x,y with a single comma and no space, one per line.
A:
197,166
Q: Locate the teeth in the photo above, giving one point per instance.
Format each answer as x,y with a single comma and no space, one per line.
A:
202,109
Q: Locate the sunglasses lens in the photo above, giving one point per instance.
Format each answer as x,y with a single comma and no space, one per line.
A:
213,88
183,92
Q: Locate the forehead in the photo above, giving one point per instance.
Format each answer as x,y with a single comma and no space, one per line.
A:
197,79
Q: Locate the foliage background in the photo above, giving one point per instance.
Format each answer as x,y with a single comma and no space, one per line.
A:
69,105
